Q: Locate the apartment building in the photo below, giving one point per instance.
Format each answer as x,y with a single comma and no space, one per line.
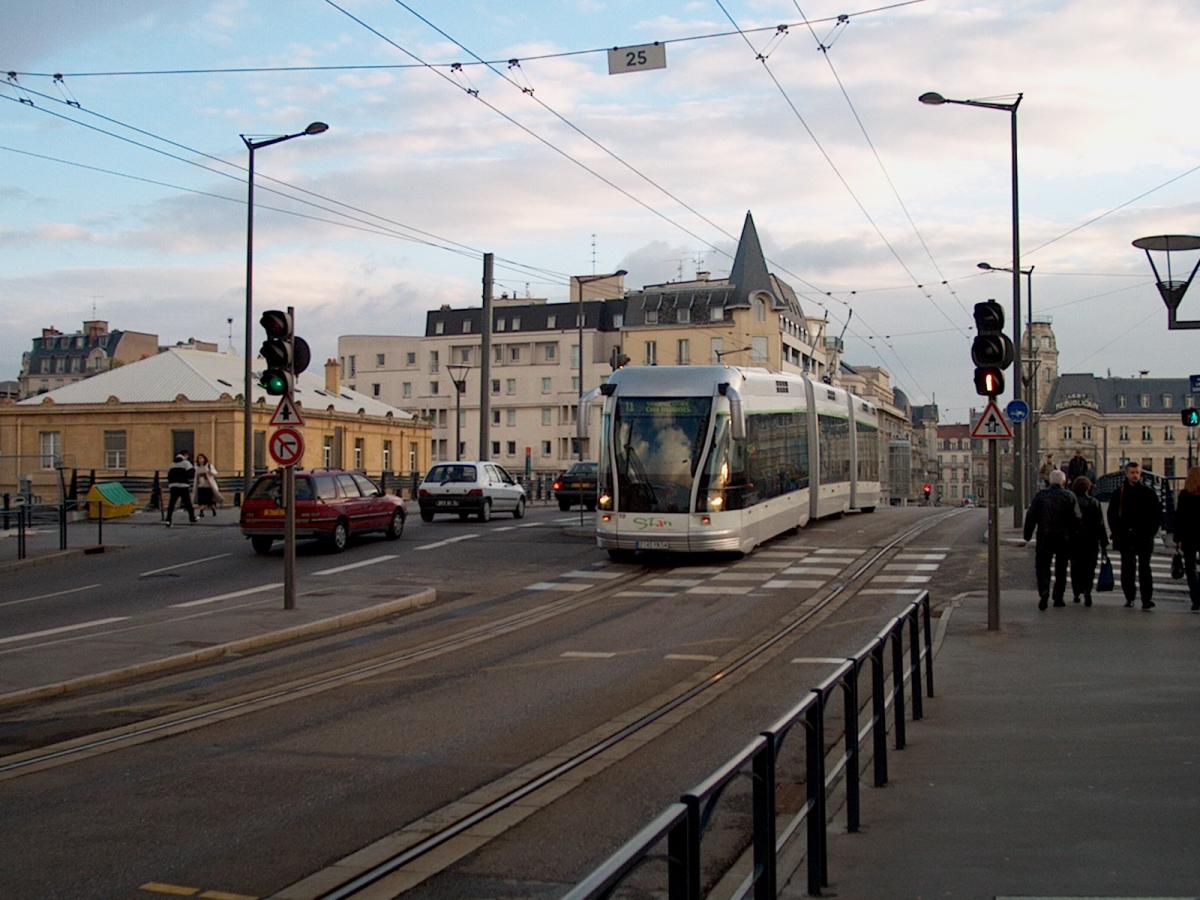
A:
58,359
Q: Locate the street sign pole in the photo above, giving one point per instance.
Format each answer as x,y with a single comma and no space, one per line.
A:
289,494
993,611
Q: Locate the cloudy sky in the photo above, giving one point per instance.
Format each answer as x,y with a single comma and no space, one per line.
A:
860,193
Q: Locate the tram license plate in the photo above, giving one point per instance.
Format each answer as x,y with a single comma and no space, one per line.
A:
651,545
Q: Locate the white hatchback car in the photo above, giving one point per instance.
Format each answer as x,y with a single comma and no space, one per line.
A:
470,488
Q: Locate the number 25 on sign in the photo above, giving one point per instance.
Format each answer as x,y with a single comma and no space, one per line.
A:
637,59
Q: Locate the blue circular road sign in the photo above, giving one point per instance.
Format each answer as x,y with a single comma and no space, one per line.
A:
1017,410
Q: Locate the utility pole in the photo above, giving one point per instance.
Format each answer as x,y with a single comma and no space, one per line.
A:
485,357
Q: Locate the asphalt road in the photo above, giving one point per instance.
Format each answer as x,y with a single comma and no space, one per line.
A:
261,799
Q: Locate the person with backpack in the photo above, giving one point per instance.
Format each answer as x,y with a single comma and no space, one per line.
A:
1088,541
1134,517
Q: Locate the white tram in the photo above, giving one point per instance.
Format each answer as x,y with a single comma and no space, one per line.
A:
703,458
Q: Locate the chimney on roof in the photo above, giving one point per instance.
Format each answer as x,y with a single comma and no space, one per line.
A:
95,328
332,377
50,332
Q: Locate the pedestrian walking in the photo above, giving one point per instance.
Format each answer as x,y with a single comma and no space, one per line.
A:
1089,539
1055,515
1187,531
180,478
208,492
1077,467
1134,517
1046,469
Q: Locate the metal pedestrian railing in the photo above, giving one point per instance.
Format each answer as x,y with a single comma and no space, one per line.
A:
683,825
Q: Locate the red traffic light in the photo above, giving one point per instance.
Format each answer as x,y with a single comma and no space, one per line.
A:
928,489
276,323
989,382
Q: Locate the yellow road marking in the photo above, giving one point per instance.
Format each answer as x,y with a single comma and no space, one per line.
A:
176,890
221,895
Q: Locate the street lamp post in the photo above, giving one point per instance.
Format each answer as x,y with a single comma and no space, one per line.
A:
935,99
458,374
1029,382
253,144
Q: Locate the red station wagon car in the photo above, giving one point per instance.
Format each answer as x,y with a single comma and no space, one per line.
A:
330,504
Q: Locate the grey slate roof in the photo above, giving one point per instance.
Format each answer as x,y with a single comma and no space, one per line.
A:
1104,394
597,315
200,375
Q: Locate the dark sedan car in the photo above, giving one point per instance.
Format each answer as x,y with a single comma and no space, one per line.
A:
577,486
330,504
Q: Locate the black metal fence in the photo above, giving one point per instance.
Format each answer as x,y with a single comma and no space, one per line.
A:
683,825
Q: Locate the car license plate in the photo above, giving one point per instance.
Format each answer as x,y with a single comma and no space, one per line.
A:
273,512
650,545
447,503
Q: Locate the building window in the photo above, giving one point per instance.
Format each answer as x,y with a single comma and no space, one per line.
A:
683,351
718,345
1068,433
547,416
1121,401
511,447
374,390
546,385
1087,432
495,417
433,360
495,448
1167,401
1146,438
498,353
551,351
114,450
514,353
51,446
1145,401
574,356
353,367
516,323
439,327
495,385
758,350
406,389
1169,433
716,313
652,317
466,326
578,320
327,451
760,309
574,384
1123,433
379,359
433,387
501,324
545,448
464,354
550,321
358,453
387,456
651,353
510,416
410,359
510,386
683,315
618,320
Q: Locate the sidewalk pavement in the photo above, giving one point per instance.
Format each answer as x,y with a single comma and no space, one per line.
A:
174,639
1059,758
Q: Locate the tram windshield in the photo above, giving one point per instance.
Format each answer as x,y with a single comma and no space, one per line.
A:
657,445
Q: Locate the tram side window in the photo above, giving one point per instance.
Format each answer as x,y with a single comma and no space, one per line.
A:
776,453
834,436
868,451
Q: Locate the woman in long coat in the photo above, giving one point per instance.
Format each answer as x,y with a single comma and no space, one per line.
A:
1087,542
208,492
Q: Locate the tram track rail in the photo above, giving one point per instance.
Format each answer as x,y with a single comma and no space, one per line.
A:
795,628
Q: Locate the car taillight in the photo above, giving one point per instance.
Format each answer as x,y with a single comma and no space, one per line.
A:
475,492
422,493
557,485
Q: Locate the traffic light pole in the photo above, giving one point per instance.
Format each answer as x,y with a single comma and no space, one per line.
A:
993,607
289,490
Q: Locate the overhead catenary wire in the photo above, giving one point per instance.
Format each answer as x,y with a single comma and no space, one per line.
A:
250,70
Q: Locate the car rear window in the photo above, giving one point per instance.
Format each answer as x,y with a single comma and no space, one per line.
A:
582,468
442,474
326,489
268,488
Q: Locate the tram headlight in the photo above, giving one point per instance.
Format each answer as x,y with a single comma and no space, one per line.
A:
605,501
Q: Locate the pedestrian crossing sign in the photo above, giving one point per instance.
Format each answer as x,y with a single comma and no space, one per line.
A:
991,425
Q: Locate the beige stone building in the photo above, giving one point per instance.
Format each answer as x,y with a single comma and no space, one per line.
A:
133,419
59,359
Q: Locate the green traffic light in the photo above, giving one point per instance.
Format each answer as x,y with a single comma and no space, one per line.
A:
1190,417
274,383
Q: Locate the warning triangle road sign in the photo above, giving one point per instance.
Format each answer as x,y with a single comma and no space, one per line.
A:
991,425
286,413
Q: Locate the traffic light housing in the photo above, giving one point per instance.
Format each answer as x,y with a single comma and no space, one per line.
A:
1190,417
285,356
992,349
617,359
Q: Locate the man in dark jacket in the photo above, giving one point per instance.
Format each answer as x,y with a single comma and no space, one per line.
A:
1055,515
180,478
1077,467
1134,517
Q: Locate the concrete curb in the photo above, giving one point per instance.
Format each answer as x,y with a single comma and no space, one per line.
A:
184,660
57,556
